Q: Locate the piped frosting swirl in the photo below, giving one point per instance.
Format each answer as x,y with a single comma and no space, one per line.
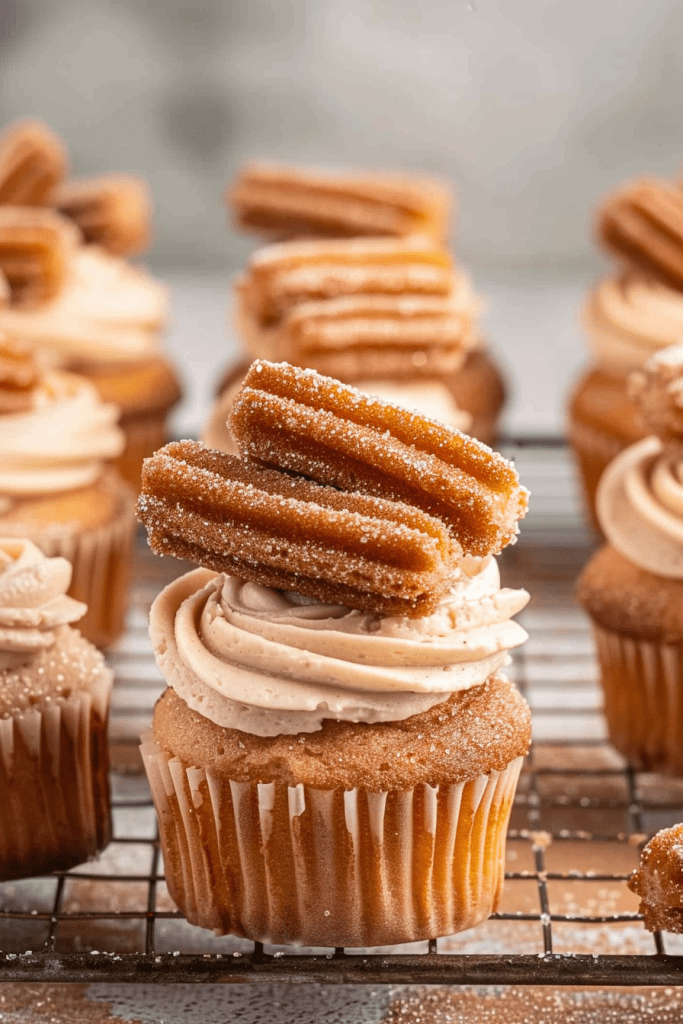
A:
33,601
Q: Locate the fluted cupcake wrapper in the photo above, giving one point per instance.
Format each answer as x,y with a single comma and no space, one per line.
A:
101,564
642,683
145,433
54,786
292,864
593,451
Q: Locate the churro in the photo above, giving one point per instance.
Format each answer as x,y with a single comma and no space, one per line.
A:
266,526
642,223
113,211
36,249
33,161
297,420
288,202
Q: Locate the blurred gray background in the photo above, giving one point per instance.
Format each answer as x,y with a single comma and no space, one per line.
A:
532,108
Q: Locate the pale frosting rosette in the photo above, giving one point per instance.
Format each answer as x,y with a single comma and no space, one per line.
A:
269,663
62,442
33,601
108,312
628,318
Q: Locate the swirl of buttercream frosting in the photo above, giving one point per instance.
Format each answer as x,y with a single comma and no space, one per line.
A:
268,663
640,506
33,601
108,312
62,442
627,318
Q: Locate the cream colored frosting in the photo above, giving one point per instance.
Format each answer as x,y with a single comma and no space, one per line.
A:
33,601
628,318
269,663
640,506
108,311
429,397
62,442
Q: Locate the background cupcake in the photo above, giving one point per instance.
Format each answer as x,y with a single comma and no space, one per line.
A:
325,775
633,587
54,705
628,317
58,487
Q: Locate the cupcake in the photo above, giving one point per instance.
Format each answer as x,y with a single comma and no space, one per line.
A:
335,758
628,316
54,704
105,325
58,487
632,588
395,318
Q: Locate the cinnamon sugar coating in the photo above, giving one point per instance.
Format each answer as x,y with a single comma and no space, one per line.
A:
33,161
19,375
288,202
36,247
235,516
300,421
112,211
642,223
473,732
627,599
659,881
658,389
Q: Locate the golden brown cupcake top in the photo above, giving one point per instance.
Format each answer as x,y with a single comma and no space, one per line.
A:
659,881
642,224
33,160
291,202
658,389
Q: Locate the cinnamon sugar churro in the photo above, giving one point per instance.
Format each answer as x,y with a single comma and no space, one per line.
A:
232,515
642,223
36,247
303,422
112,210
33,160
289,202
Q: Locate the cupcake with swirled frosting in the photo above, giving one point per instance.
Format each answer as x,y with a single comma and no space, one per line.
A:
626,319
633,586
105,324
58,486
54,703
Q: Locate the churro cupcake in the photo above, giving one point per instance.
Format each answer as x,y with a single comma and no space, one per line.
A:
633,587
58,487
658,880
335,759
393,317
54,705
628,316
105,324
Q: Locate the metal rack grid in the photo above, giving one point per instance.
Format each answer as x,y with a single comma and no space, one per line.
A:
579,820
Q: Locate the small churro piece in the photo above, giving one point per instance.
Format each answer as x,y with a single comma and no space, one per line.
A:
297,420
659,881
19,375
658,389
113,211
642,223
290,202
354,309
235,516
33,161
36,248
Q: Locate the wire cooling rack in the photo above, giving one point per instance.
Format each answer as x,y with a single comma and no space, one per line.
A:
580,818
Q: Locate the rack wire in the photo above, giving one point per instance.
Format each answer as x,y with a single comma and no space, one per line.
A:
580,817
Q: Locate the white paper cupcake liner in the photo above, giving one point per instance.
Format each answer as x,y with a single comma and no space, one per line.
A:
292,864
643,691
54,788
